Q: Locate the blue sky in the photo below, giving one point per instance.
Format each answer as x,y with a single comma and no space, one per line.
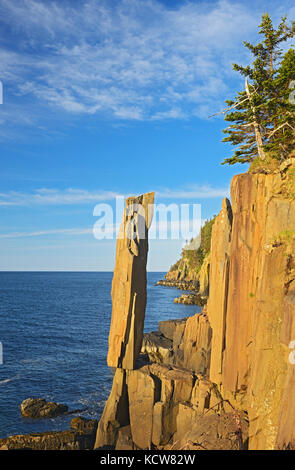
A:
105,98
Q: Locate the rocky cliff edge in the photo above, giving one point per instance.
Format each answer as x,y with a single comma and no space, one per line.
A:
242,398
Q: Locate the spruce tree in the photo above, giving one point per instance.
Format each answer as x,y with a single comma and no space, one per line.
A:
262,116
281,140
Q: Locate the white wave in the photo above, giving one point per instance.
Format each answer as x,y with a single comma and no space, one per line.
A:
32,361
5,381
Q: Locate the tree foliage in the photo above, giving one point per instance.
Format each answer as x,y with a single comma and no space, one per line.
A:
262,117
193,259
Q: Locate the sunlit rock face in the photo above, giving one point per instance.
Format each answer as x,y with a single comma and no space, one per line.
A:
129,283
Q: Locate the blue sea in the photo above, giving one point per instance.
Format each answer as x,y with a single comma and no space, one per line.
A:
54,333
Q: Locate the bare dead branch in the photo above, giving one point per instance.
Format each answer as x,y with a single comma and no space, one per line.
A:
226,110
280,127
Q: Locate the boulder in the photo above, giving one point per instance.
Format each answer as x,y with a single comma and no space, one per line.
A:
157,347
168,328
40,408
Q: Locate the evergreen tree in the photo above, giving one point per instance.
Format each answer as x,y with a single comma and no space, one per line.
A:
281,140
262,116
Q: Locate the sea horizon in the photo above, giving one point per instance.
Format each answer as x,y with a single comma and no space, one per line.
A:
54,333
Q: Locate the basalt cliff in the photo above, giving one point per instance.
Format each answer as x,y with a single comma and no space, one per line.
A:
225,378
220,379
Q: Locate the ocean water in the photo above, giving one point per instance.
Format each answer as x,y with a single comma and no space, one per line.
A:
54,333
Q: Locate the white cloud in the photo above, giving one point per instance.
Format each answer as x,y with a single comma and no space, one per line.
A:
39,233
194,192
134,60
174,113
47,196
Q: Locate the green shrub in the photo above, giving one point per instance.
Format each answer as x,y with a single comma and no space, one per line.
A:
194,258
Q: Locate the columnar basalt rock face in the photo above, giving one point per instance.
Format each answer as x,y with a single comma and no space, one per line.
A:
197,343
184,343
144,404
129,283
172,328
270,389
219,272
128,312
286,431
251,306
142,392
244,251
115,413
233,363
255,363
155,392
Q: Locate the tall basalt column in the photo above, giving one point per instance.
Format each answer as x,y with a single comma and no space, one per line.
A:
129,283
218,295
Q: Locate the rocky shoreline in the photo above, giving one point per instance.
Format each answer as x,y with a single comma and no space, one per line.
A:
193,298
181,285
80,436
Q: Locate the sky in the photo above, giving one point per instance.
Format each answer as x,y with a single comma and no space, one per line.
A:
103,99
